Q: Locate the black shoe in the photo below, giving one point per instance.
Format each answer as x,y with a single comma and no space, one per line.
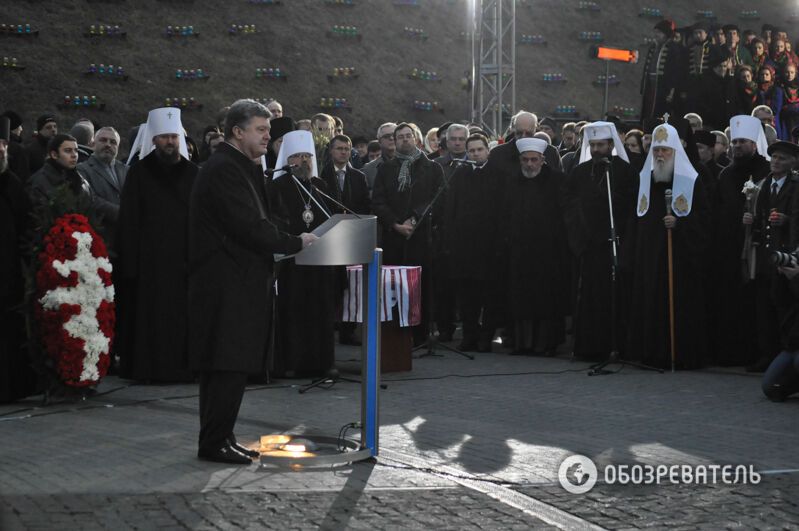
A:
244,450
225,454
467,346
350,340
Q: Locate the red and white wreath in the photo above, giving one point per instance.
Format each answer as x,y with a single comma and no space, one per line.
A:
75,301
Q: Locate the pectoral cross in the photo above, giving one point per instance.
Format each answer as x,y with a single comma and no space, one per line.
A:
169,115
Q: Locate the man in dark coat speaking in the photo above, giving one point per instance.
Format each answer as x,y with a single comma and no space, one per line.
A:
231,246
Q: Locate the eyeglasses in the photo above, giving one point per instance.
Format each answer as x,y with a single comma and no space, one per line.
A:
387,136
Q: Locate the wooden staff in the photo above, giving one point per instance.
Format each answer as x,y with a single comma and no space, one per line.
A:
671,283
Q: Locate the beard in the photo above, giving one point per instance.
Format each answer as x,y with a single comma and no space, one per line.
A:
169,156
663,171
105,156
302,172
529,174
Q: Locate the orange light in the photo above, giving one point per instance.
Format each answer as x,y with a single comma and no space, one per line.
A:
615,54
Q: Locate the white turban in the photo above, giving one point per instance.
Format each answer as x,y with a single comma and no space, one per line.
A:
163,121
682,187
750,128
601,131
531,144
295,142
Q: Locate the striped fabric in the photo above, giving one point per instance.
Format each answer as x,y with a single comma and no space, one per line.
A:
402,289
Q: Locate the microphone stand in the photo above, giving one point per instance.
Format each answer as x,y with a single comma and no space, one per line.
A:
431,343
341,205
290,171
599,368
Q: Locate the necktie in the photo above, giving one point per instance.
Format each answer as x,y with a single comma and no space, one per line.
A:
113,174
341,175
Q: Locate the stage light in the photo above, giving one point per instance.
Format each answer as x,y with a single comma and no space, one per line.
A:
614,54
273,442
299,446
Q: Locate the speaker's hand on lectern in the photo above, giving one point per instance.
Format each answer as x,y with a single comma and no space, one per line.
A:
308,239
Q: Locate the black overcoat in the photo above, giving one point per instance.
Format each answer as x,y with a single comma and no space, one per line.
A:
394,206
231,244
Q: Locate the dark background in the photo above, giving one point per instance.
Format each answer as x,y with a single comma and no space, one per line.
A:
292,36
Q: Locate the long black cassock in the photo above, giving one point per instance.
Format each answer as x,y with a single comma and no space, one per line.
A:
537,250
649,336
304,343
733,339
587,217
17,378
152,280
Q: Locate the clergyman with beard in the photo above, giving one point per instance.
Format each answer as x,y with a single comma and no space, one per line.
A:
152,247
106,175
306,295
733,294
587,216
667,168
404,187
535,243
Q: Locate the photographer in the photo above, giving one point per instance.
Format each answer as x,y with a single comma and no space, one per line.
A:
771,231
782,377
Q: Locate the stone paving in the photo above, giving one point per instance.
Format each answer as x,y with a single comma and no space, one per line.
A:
464,444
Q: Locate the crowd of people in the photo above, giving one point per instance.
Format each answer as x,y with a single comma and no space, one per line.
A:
720,71
655,241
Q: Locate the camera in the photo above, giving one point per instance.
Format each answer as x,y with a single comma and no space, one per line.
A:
781,259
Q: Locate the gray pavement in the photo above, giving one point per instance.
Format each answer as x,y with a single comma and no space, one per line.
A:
464,444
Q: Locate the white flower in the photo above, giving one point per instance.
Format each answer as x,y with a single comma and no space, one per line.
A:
749,188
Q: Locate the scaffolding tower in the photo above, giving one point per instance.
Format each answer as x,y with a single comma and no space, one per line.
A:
493,63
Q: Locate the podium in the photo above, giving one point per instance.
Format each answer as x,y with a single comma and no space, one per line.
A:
347,239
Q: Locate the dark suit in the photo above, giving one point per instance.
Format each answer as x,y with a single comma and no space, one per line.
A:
444,286
770,238
231,243
107,191
355,194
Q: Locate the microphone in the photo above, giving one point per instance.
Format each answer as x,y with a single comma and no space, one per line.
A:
604,161
287,168
667,195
